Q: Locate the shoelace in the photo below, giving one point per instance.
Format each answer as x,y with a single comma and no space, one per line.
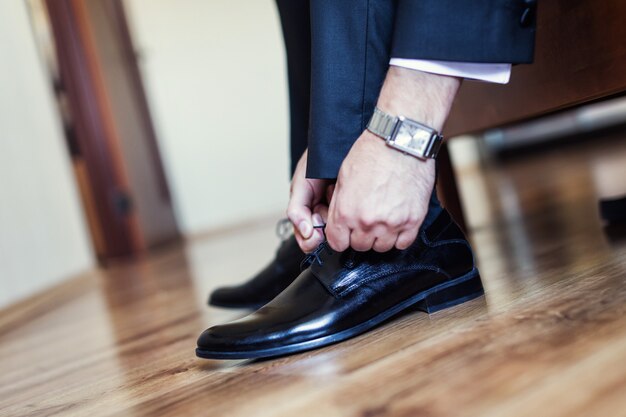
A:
284,229
350,260
315,255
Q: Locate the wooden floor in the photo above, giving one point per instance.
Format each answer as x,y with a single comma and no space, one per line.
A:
549,338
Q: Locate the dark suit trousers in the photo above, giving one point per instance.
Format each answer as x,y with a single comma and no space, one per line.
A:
337,58
296,24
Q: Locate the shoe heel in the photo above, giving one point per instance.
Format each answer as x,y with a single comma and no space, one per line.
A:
466,289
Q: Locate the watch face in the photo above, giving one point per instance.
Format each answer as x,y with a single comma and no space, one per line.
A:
412,138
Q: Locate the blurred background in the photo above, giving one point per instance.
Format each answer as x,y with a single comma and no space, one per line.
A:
127,125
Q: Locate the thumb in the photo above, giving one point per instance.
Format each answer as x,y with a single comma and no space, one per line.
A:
299,211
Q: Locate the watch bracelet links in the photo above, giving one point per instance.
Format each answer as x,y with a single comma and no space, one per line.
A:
382,124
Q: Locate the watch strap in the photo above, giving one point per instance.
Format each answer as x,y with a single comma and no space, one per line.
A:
382,124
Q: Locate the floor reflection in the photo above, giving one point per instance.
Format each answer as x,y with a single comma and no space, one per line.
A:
535,217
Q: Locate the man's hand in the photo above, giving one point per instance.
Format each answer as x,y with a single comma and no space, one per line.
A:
380,199
307,206
381,196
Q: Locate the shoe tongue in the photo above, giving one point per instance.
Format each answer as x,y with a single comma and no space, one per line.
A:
337,269
329,268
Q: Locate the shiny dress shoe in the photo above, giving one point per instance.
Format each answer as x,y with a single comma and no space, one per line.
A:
342,295
267,284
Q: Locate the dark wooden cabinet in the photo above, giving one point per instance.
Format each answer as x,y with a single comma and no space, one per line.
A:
580,56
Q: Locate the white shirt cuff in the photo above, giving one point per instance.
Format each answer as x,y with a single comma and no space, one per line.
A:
493,73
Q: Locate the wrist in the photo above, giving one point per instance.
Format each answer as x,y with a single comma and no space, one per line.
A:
420,96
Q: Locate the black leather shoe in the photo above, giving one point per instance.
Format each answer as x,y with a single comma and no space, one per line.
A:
267,284
341,295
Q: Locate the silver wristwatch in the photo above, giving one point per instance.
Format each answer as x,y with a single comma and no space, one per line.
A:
405,135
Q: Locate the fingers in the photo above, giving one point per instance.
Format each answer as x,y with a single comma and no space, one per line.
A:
300,215
304,209
361,241
322,211
338,238
337,233
308,245
318,218
316,237
385,243
406,239
381,237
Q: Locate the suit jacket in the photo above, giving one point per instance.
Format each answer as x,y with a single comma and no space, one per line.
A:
499,31
351,42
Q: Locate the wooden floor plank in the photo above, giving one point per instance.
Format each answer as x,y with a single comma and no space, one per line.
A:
548,339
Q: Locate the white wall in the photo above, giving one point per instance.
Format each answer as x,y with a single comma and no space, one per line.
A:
43,238
214,72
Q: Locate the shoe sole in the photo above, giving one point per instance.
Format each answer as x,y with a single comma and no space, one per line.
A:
442,296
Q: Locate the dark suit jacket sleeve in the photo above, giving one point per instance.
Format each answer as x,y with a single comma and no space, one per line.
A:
498,31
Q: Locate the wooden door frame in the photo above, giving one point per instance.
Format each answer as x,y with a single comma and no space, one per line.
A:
96,137
119,19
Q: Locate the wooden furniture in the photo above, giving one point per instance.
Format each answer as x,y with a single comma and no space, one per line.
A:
580,56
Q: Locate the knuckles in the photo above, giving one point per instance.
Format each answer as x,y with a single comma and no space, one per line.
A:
368,221
393,222
335,240
360,245
395,228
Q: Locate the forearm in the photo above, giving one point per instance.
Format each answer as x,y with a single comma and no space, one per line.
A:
423,97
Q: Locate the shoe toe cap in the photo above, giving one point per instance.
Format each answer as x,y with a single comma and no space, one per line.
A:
228,339
239,332
209,340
